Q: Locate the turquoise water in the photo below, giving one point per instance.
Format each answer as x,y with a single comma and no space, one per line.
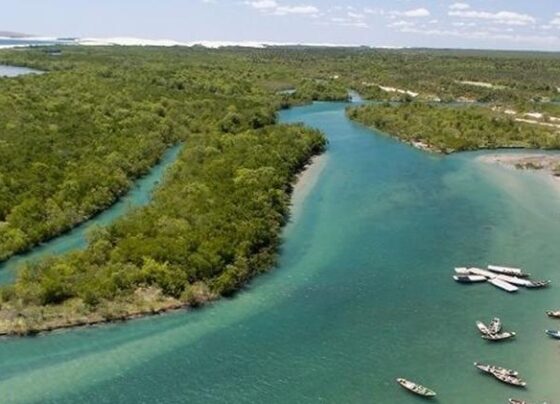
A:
362,295
139,195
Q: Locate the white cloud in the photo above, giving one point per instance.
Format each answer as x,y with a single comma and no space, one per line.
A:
418,12
273,7
459,6
262,4
501,17
357,16
284,10
401,24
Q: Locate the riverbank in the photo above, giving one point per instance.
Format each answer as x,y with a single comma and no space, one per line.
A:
545,163
23,320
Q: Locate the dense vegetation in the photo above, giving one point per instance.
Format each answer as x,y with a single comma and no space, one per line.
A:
74,139
449,129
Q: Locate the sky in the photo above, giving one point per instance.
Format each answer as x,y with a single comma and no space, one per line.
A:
489,24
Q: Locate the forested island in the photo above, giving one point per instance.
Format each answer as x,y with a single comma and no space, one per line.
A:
74,140
456,128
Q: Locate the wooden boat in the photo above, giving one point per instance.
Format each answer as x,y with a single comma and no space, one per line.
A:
498,337
538,284
482,272
553,314
514,280
482,328
491,369
495,326
508,287
416,388
553,333
469,278
512,380
507,271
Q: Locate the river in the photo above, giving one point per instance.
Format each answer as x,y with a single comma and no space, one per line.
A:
362,294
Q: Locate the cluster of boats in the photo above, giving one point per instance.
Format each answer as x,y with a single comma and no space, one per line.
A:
505,278
508,279
493,332
504,375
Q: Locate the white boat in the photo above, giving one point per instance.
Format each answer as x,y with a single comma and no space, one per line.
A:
538,284
495,326
482,272
507,270
416,388
514,280
499,337
482,328
462,271
553,314
469,278
513,380
493,369
508,287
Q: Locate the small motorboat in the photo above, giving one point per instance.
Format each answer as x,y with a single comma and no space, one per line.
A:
482,328
538,284
498,337
514,401
553,333
512,380
495,326
462,271
416,388
469,278
553,314
507,271
492,369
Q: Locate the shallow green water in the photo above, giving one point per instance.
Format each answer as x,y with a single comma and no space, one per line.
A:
363,294
139,195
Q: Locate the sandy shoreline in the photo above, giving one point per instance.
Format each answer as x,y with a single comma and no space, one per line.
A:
305,181
548,163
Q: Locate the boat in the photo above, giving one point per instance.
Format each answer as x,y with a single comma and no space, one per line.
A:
416,388
495,326
482,272
538,284
498,337
514,401
508,287
507,271
513,380
553,314
482,328
491,369
469,278
515,280
462,271
553,333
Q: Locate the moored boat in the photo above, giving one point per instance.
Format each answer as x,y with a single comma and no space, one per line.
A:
514,401
498,337
514,280
553,333
482,272
512,380
416,388
462,271
469,278
538,284
553,314
507,270
482,328
508,287
492,368
495,326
